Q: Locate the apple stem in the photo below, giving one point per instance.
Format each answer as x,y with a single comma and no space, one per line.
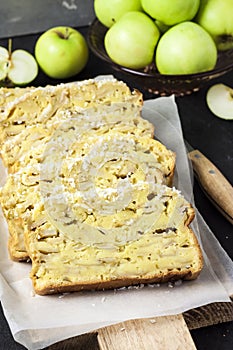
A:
10,47
63,36
67,33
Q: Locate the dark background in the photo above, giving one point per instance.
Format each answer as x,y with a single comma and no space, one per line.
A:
211,135
29,17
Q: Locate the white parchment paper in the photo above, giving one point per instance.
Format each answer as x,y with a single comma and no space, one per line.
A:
38,321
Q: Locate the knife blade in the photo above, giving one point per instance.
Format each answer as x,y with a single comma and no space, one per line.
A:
214,184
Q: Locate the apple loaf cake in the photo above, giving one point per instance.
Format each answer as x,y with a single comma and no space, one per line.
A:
88,198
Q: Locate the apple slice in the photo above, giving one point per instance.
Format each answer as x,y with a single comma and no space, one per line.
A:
219,99
23,67
4,59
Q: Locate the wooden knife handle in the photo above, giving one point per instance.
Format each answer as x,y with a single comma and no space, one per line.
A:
214,183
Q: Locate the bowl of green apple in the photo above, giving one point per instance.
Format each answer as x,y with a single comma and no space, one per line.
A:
164,47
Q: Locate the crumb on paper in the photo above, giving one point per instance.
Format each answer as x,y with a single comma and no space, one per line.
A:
63,295
137,286
121,288
153,320
153,285
170,285
174,284
103,299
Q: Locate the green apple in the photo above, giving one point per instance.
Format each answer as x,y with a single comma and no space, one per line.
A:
17,68
219,99
61,52
216,16
131,41
171,12
186,48
110,11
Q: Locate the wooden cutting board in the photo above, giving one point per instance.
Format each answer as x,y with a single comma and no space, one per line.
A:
157,333
160,333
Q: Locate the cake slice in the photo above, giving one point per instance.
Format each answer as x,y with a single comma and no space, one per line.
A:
25,115
23,187
96,249
126,119
7,95
17,197
14,102
106,219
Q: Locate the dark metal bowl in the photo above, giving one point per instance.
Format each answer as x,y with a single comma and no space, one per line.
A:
149,78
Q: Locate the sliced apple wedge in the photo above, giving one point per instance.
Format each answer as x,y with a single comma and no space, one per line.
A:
219,99
23,67
4,59
18,67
